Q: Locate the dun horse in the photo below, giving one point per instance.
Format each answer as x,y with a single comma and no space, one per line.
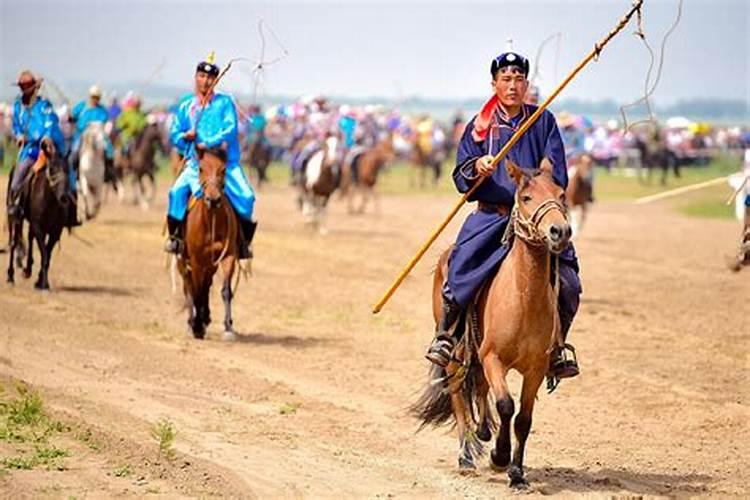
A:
360,174
210,242
513,325
579,192
46,208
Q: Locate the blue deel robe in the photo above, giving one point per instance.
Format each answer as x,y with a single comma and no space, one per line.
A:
217,128
478,251
83,114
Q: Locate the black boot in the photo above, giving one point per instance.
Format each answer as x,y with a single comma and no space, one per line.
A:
247,233
441,349
175,242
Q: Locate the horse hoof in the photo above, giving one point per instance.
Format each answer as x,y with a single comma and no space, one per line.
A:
498,464
26,274
517,479
484,433
228,336
466,466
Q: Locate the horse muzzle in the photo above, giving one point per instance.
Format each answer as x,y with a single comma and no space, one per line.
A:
213,202
558,236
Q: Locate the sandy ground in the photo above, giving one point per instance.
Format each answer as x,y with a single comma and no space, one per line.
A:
311,400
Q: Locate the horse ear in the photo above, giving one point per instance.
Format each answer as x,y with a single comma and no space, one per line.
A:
514,171
545,167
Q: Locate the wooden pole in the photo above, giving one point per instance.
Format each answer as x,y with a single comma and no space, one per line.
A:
504,151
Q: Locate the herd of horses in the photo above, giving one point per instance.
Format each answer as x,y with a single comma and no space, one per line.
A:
503,331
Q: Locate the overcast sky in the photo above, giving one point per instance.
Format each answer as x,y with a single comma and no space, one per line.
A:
380,48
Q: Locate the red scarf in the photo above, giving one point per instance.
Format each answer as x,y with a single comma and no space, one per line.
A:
483,121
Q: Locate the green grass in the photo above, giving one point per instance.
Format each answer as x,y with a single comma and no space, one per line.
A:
616,186
24,421
289,408
122,471
164,432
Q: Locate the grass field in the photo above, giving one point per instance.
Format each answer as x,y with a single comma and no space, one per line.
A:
401,179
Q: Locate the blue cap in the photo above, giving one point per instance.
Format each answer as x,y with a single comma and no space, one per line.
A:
509,59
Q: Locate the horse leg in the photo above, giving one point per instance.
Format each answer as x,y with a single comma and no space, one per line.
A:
83,198
142,198
152,193
495,373
465,454
323,217
227,267
41,280
522,426
52,240
134,184
484,430
365,196
376,201
13,240
29,256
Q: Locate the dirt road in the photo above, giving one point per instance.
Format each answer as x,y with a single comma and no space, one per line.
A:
311,400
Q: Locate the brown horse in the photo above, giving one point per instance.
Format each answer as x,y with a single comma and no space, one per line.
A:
139,164
514,325
210,241
360,174
318,182
579,191
45,207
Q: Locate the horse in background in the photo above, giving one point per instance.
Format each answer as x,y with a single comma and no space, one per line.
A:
429,151
360,173
258,159
579,192
317,181
211,230
514,324
45,206
140,164
91,170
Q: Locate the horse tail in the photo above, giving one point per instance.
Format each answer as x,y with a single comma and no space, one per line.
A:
433,407
434,404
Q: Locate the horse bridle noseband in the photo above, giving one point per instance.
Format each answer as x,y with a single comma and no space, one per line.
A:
527,229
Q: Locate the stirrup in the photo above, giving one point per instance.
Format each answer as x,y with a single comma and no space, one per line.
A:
441,351
174,245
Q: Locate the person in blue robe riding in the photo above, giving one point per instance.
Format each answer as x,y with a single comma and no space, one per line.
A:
478,251
207,120
35,120
83,114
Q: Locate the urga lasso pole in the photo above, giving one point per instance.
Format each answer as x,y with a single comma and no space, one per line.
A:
637,5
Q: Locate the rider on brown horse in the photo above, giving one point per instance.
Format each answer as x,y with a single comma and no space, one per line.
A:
208,121
131,123
479,249
34,119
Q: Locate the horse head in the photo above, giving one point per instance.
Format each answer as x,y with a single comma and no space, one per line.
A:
540,216
212,170
93,136
331,150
